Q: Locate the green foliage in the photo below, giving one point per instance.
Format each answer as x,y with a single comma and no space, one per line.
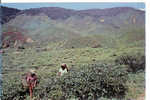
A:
12,90
79,42
87,83
135,61
136,85
83,80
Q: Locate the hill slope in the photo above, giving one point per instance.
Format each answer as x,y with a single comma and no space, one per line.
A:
8,13
52,24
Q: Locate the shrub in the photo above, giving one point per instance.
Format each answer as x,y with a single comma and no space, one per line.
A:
11,90
135,62
87,83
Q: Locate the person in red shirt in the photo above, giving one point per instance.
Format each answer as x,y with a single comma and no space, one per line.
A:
30,81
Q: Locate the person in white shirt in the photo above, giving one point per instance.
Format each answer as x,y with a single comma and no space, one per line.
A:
63,70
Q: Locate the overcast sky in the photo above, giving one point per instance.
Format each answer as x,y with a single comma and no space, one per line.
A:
76,6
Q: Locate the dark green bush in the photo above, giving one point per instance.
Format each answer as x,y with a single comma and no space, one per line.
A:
135,62
87,83
11,90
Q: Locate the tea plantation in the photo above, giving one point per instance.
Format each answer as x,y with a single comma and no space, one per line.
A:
94,73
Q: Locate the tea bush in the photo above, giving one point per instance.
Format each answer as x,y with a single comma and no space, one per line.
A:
11,90
87,83
135,61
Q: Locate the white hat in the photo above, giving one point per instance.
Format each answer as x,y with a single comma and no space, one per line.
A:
32,71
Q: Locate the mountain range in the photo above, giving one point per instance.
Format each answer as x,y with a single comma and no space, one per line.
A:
53,24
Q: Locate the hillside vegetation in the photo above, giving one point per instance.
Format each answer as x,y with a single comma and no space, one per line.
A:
103,48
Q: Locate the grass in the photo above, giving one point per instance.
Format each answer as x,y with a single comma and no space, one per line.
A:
136,85
48,62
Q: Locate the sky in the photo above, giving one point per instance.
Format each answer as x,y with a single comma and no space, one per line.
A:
76,6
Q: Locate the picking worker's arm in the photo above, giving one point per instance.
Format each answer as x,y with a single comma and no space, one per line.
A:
35,81
28,78
67,68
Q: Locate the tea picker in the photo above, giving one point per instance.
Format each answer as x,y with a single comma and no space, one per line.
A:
30,81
